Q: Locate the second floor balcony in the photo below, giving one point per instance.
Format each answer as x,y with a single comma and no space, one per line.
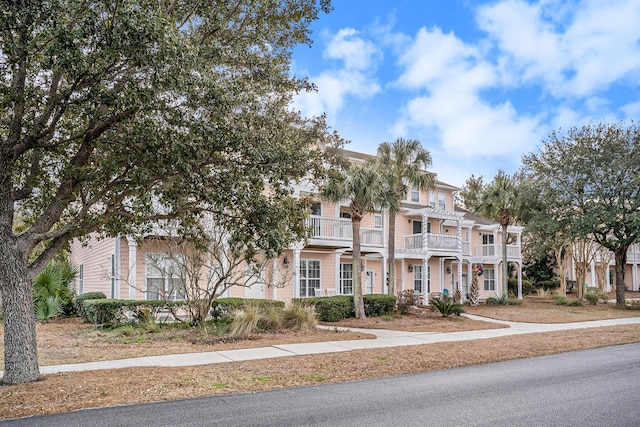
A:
340,229
441,242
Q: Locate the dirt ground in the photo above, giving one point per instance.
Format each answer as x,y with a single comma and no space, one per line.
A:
72,342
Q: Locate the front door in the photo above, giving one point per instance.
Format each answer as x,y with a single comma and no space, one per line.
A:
368,282
254,284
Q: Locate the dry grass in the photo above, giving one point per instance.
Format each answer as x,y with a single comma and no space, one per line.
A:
69,342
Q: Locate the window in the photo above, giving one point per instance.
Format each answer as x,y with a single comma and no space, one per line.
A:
163,277
415,195
417,278
309,277
346,278
487,245
345,215
432,200
416,227
377,221
80,279
489,279
316,209
442,201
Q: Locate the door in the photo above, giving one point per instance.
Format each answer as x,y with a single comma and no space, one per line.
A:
254,283
464,285
368,281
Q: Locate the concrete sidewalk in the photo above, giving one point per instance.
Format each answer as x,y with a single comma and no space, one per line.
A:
384,338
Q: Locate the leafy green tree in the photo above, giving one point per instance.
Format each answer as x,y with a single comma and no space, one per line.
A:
500,202
117,114
365,189
592,175
469,194
404,163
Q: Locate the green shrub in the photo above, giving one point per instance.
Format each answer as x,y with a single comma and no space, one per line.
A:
376,305
105,312
299,317
245,320
226,306
592,297
78,302
447,306
560,300
330,309
271,318
503,300
406,300
112,312
548,284
527,286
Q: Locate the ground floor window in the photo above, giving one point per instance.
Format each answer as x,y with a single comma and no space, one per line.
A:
417,278
164,278
346,278
309,277
489,279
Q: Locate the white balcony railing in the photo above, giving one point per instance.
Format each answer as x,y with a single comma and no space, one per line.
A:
341,229
433,241
513,251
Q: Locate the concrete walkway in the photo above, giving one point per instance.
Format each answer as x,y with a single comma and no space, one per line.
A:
384,338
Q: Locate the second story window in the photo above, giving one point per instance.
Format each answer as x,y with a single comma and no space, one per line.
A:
442,201
432,200
316,209
415,195
377,221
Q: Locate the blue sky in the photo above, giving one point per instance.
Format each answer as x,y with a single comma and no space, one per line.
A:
479,83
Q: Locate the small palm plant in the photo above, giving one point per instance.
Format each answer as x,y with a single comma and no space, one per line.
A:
447,306
51,293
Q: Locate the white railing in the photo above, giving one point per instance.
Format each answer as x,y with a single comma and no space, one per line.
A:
341,229
372,237
414,241
513,251
434,241
442,242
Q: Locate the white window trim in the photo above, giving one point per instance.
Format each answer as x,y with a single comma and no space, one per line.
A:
306,280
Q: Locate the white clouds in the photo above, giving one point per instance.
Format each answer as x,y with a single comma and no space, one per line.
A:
453,74
359,58
573,51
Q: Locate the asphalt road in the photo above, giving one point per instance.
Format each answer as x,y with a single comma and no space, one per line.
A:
599,387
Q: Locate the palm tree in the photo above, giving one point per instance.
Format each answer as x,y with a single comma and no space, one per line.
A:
500,202
363,186
403,163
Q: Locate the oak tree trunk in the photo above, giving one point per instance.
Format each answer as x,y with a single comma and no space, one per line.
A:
20,352
621,262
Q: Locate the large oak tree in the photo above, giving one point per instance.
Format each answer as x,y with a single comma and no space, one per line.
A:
117,113
590,176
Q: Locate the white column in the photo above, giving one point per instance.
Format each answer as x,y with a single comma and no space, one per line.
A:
131,276
296,273
385,288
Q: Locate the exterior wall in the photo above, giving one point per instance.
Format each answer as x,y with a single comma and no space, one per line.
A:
95,258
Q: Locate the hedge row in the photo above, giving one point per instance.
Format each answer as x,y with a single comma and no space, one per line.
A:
336,308
225,306
111,312
527,286
78,302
